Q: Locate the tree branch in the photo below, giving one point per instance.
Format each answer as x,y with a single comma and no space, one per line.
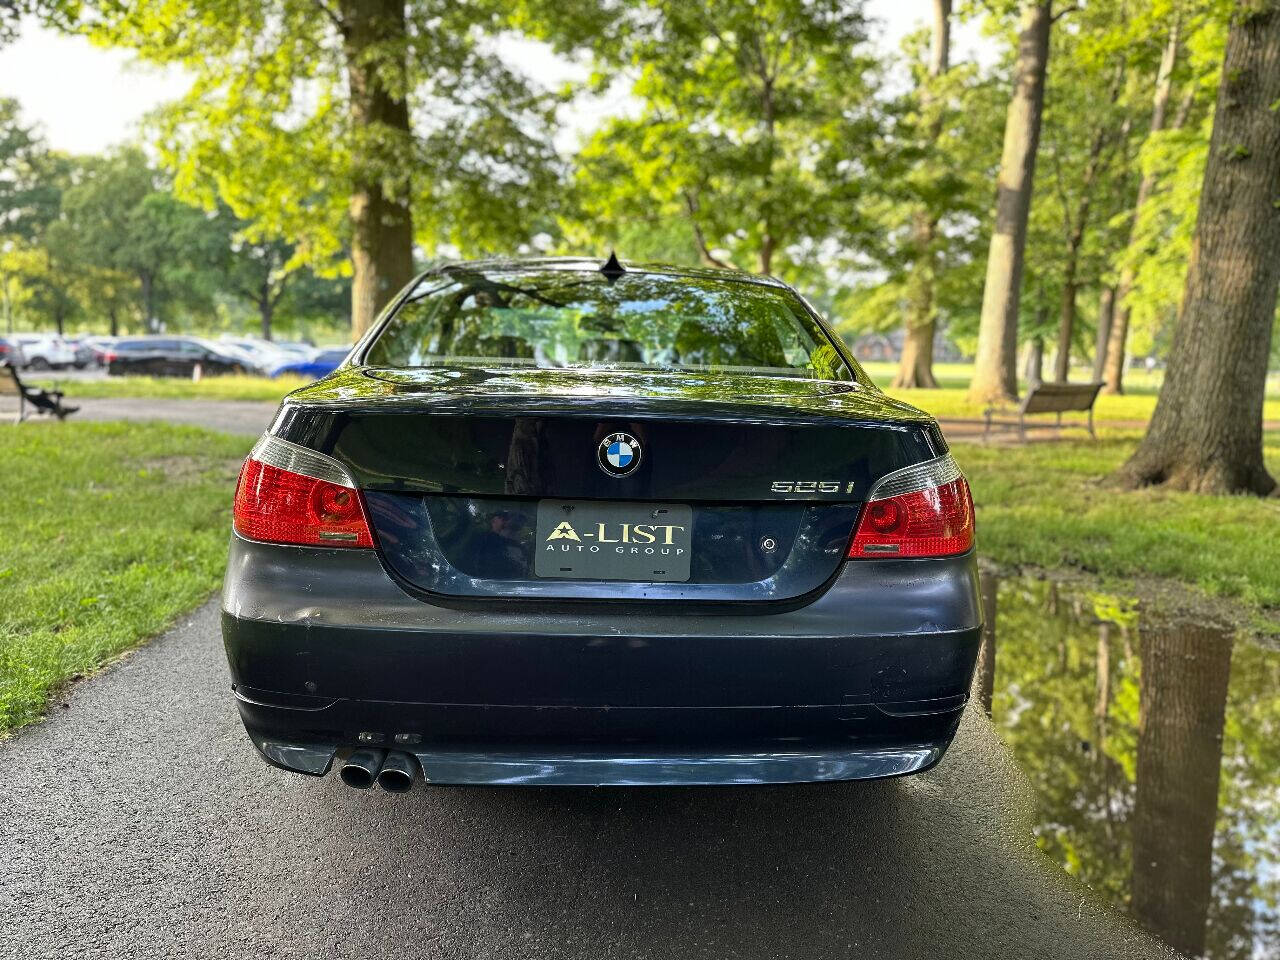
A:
334,17
691,205
279,294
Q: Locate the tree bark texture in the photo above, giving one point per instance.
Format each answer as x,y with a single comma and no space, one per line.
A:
915,368
1206,431
995,371
1106,311
266,310
146,286
374,38
1033,372
1075,230
1114,355
1182,705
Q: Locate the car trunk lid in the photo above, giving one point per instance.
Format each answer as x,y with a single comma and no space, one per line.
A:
470,473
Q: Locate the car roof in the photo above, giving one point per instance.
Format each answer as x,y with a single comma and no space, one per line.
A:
586,264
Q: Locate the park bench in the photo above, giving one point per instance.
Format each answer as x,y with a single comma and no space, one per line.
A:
44,401
1058,398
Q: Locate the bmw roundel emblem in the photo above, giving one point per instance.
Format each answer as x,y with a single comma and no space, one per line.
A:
619,454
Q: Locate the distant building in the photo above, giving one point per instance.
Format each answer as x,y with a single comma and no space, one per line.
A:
874,347
878,346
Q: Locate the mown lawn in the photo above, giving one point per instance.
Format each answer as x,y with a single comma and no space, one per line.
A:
112,530
209,388
950,400
1042,505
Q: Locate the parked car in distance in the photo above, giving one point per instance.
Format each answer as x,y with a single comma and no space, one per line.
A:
98,348
294,348
621,524
11,352
252,360
165,356
265,354
46,351
325,361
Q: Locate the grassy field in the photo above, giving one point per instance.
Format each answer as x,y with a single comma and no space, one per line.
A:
1042,505
210,388
112,531
949,400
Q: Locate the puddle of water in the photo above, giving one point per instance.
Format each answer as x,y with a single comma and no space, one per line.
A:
1154,752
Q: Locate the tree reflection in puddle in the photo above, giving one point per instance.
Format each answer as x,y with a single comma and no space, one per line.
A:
1154,752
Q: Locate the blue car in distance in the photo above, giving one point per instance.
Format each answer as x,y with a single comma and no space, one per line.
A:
321,365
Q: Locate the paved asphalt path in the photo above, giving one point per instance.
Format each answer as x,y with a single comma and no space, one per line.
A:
231,416
137,822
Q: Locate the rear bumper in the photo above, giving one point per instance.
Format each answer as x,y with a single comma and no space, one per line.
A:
867,680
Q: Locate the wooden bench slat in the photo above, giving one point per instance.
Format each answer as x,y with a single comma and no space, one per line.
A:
1056,398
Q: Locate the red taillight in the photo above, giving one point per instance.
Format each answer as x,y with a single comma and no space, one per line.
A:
109,358
934,520
281,505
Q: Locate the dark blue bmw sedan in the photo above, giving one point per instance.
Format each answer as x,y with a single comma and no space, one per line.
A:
554,522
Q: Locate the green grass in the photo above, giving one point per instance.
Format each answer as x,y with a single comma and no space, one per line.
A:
1042,505
210,388
111,531
950,400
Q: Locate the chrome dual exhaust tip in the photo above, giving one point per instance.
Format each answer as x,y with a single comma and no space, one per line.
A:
361,768
394,771
398,772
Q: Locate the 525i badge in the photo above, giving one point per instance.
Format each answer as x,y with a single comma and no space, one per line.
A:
809,486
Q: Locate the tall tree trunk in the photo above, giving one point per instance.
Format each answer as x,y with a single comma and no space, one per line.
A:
1206,432
374,41
693,208
266,310
995,371
1034,372
147,284
1106,311
1114,355
766,254
114,320
1067,319
915,368
8,303
768,118
1075,237
1182,702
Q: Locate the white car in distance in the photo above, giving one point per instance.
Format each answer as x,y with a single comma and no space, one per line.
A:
46,351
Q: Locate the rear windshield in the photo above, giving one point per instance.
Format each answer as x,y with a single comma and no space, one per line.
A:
642,321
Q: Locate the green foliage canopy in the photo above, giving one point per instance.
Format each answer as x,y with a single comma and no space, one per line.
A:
267,128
